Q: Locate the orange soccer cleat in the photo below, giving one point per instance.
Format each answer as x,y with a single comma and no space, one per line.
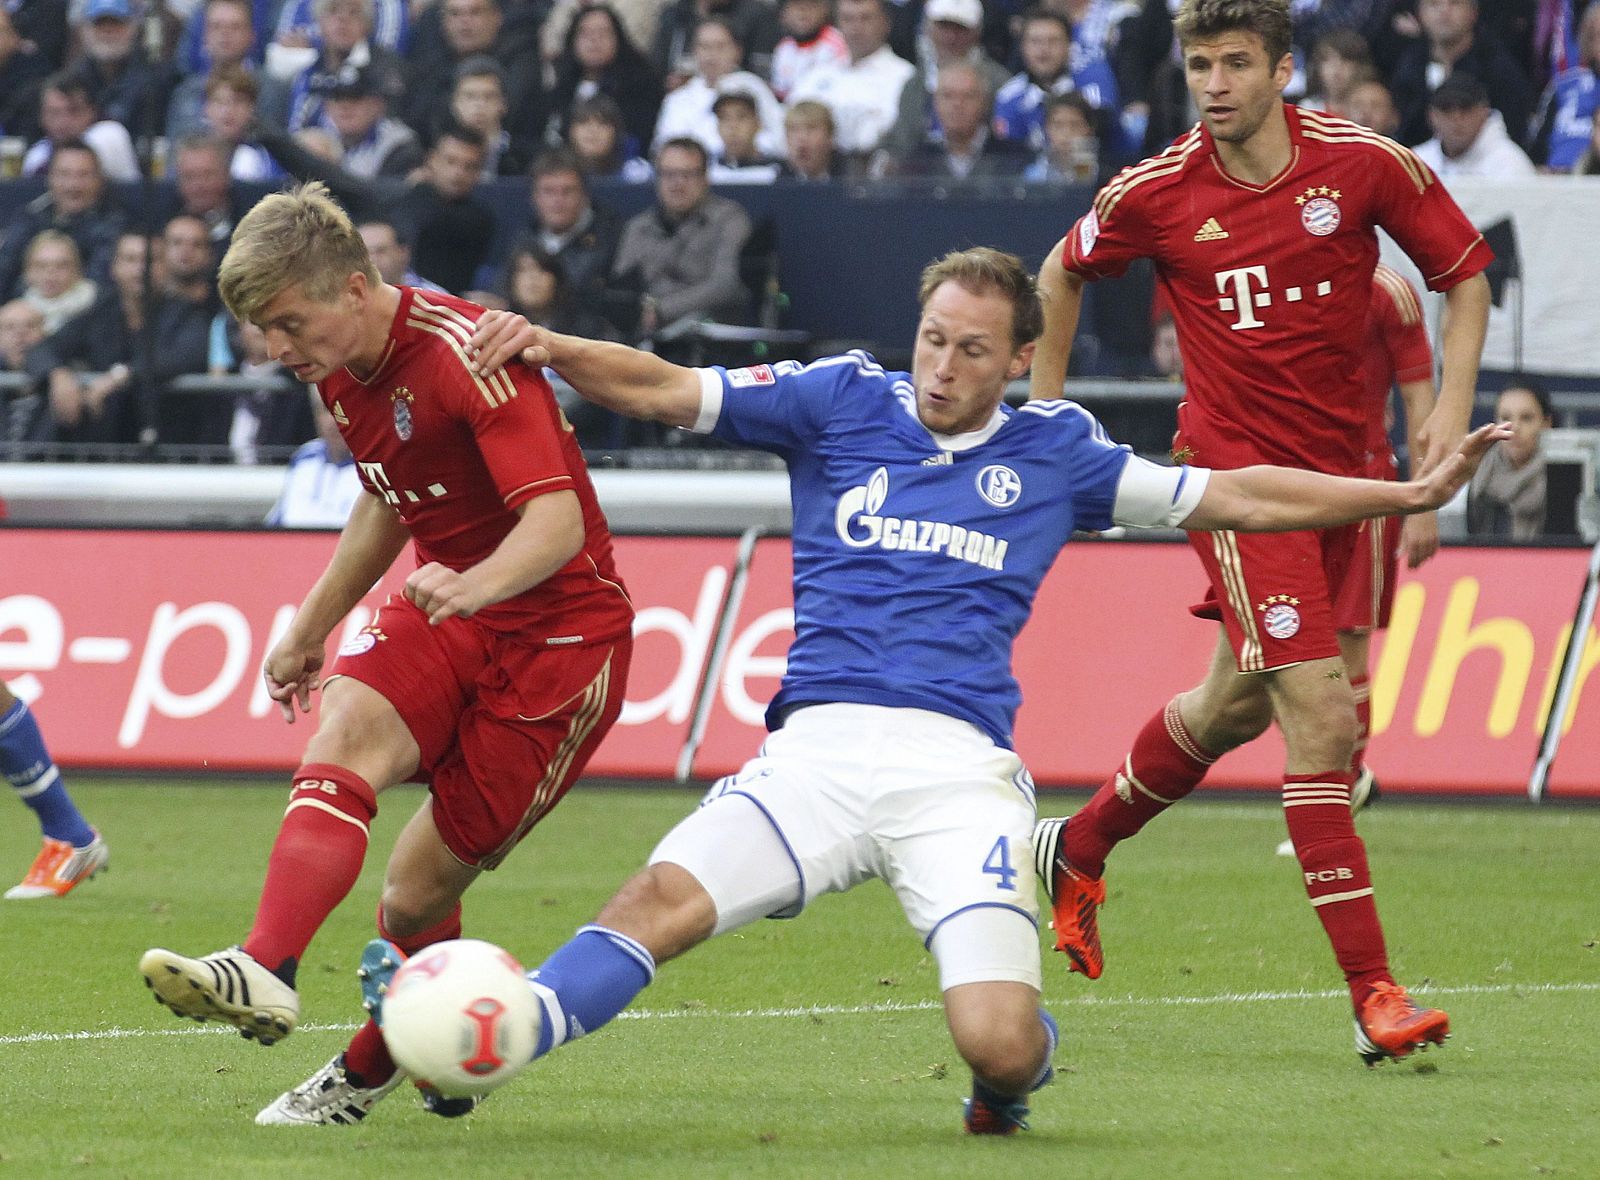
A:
1074,898
60,868
1389,1025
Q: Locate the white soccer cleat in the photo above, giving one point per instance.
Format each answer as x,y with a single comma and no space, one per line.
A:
1363,791
225,985
327,1098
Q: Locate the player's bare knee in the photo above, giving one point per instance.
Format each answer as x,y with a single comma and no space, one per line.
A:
409,908
664,908
1006,1052
360,730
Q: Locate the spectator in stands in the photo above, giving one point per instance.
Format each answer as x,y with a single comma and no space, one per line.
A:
741,160
1339,60
1469,138
864,96
537,287
1165,358
75,202
90,363
754,24
274,413
229,110
1071,154
597,137
640,19
320,486
808,135
565,224
127,87
229,42
683,253
809,42
42,25
391,254
355,107
1370,104
67,112
205,189
183,315
965,148
686,111
53,281
1589,163
297,33
1507,495
478,103
1452,43
22,411
345,53
21,330
469,28
434,208
599,60
951,32
23,70
1565,122
1046,49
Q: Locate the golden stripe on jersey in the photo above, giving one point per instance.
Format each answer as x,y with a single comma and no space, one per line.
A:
1168,162
1405,299
1225,545
455,330
1323,129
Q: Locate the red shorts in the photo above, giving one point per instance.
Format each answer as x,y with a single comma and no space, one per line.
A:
1274,592
1365,600
504,727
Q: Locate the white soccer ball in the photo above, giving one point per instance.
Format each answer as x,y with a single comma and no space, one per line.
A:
461,1017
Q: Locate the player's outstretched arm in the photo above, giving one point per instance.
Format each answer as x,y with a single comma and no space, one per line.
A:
1280,499
623,379
1466,322
1419,534
372,538
1061,292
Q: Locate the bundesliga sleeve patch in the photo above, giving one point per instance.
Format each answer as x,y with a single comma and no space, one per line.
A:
754,375
1088,233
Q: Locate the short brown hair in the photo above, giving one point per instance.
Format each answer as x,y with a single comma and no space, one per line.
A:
298,237
1203,20
981,270
235,78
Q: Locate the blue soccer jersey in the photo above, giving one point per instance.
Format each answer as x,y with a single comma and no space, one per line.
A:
917,556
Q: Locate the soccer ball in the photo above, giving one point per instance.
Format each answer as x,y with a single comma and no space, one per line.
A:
459,1016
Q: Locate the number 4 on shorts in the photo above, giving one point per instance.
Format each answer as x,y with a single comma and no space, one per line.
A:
998,862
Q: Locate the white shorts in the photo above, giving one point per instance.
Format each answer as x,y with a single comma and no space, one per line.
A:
843,793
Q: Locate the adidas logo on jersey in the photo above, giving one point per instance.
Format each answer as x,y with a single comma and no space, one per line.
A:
1210,231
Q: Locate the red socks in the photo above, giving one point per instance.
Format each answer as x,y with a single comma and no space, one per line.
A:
1334,863
1165,764
367,1057
315,860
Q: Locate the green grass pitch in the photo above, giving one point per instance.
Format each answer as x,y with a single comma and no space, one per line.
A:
1218,1043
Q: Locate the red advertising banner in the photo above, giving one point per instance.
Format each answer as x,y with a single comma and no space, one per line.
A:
143,649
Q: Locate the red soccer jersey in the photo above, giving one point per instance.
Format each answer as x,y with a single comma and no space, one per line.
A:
1270,284
1397,350
455,455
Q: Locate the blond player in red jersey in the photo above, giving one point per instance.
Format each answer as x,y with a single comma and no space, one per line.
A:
1262,224
492,678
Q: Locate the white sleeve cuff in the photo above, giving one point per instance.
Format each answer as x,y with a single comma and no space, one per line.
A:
1152,496
710,401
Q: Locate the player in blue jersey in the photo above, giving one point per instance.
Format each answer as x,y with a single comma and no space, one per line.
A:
926,513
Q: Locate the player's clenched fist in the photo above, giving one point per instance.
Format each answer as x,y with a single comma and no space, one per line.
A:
443,593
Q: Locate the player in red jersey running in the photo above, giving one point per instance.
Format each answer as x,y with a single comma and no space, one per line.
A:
493,677
1262,225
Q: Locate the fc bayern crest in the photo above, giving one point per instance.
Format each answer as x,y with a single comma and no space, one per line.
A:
402,399
1281,620
1320,216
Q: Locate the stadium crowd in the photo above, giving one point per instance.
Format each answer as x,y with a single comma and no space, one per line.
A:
107,286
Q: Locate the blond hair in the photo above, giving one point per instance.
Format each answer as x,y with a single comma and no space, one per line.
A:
981,270
299,237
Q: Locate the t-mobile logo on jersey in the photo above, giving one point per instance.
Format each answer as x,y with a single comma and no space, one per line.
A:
377,479
1246,288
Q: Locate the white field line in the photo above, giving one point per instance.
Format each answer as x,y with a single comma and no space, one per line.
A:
698,1013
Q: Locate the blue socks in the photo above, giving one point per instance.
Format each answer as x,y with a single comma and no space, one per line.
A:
587,982
1048,1070
27,766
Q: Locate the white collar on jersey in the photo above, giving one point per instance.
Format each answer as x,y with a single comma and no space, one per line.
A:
971,438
